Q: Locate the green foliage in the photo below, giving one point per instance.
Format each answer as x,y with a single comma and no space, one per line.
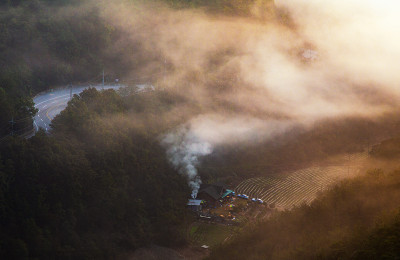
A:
210,234
383,242
45,43
92,190
291,151
357,219
88,106
18,108
43,46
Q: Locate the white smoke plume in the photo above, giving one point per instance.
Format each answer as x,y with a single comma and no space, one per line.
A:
184,151
187,144
252,79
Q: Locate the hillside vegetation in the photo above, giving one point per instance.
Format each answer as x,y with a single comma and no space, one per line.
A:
299,148
46,43
100,185
42,47
356,219
91,190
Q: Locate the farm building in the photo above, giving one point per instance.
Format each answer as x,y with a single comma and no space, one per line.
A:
212,193
195,205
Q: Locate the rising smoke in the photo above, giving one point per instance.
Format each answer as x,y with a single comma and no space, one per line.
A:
184,151
255,78
187,144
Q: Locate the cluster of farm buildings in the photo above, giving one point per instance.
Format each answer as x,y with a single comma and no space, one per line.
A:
212,197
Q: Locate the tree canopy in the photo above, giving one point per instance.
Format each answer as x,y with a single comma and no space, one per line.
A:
90,190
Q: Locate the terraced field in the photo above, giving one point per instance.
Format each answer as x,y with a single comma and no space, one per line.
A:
291,189
210,234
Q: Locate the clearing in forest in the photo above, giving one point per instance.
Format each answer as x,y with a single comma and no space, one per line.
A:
291,189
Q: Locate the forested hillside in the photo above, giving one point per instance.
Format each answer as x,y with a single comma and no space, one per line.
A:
91,190
356,219
41,47
100,184
242,88
299,148
46,43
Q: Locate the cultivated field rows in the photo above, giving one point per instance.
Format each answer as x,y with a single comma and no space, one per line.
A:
292,189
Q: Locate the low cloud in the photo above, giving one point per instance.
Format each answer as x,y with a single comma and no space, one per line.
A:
255,77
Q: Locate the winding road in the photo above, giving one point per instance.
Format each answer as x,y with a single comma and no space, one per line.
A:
53,102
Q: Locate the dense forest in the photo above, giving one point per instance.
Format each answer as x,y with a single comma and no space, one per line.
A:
91,190
46,43
298,148
40,49
355,219
100,185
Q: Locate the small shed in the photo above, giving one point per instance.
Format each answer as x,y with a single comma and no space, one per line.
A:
194,205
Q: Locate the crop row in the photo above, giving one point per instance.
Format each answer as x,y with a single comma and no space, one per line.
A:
292,189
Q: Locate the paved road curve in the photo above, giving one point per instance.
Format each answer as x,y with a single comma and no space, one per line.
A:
53,102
